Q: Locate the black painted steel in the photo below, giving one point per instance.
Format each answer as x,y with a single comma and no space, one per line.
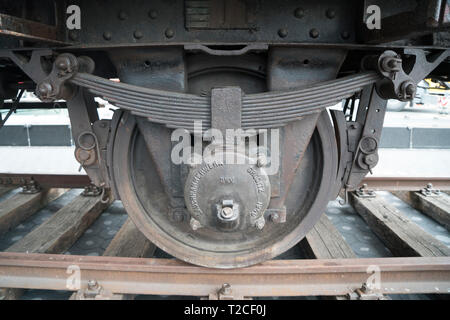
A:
263,110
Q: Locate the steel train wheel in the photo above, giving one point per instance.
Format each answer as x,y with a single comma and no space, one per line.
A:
145,202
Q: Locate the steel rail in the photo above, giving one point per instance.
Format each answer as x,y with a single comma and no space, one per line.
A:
263,110
45,180
406,183
80,180
271,278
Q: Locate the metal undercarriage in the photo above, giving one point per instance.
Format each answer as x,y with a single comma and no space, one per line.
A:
267,72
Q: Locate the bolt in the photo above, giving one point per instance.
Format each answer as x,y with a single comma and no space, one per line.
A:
169,33
45,89
371,159
260,223
107,35
314,33
178,216
63,63
365,288
345,35
261,161
123,15
83,155
330,13
73,35
92,284
226,213
195,224
408,90
153,14
274,217
299,13
138,34
283,33
391,64
226,289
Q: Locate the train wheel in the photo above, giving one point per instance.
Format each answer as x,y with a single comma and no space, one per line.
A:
142,192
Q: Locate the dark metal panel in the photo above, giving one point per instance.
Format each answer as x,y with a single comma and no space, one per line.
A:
140,22
14,136
53,135
429,138
291,68
395,138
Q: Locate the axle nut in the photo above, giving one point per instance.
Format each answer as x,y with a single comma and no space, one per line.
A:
195,224
44,89
226,212
260,223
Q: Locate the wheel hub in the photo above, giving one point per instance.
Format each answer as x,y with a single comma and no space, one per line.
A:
227,196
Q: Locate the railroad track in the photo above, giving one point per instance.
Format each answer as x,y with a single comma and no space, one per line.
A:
419,262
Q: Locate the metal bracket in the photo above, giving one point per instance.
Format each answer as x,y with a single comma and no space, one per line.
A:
31,188
226,108
276,215
95,292
225,293
429,191
366,293
364,192
33,66
365,134
65,66
397,84
92,191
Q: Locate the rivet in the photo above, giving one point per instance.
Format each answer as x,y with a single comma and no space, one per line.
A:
138,34
314,33
169,33
299,13
73,35
123,15
330,13
283,33
107,35
153,14
345,35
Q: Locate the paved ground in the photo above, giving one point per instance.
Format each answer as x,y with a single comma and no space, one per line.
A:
427,116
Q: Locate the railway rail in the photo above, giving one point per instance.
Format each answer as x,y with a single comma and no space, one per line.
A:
421,264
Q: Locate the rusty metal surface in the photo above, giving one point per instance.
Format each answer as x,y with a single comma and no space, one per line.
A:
405,183
27,29
45,180
272,278
80,181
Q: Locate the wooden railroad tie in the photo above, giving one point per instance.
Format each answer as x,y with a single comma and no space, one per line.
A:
58,233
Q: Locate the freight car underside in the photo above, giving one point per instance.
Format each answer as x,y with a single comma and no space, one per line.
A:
222,149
